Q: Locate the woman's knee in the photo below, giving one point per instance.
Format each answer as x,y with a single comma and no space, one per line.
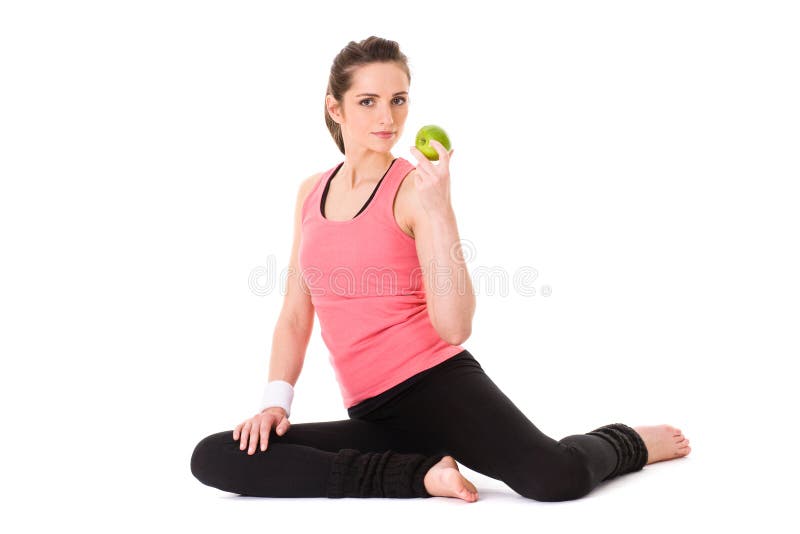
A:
564,479
206,458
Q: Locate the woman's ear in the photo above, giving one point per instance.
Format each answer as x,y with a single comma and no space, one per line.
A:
333,108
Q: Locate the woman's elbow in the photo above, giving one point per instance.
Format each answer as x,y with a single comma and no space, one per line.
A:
459,337
454,331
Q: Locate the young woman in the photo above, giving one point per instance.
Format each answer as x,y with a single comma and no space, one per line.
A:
373,237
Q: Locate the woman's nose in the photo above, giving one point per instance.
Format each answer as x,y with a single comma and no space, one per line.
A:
388,118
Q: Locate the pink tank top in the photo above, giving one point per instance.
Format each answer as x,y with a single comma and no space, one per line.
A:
367,288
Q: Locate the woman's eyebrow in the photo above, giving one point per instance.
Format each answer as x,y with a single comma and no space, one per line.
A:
373,94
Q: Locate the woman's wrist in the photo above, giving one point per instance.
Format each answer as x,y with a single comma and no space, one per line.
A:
278,393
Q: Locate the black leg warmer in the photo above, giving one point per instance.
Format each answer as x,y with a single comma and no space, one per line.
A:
630,447
379,474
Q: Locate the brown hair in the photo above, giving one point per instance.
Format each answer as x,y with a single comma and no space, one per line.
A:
351,57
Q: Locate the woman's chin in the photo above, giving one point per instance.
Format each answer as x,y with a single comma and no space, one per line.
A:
382,149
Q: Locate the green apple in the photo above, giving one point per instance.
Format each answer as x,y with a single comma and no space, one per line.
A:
423,142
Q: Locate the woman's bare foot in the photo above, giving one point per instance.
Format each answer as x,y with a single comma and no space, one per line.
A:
664,442
445,480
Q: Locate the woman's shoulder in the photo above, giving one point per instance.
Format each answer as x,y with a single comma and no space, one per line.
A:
314,179
307,186
309,182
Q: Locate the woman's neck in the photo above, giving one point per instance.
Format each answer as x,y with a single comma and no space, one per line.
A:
365,167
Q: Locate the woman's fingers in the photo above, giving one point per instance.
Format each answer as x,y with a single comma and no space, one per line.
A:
282,427
422,160
254,429
258,427
266,423
245,435
439,148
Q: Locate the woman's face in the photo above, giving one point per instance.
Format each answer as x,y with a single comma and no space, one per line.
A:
376,102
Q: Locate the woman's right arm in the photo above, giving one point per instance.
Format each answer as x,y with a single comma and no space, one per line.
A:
289,339
296,319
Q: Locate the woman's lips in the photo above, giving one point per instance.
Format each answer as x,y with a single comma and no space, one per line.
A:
383,135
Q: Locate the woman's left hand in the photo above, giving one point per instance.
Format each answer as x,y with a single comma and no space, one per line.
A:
433,181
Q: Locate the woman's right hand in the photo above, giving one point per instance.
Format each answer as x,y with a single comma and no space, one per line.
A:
259,426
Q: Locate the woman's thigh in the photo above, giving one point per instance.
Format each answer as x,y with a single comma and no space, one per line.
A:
296,464
459,410
331,436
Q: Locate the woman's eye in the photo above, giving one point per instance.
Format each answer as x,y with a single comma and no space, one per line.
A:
370,100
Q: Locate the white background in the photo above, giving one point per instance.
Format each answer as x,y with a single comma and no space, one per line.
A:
640,156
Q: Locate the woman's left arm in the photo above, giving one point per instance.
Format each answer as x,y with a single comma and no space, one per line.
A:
448,287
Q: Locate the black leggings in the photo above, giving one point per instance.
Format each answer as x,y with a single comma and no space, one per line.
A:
391,440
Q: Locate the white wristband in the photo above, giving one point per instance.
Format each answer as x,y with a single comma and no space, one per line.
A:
278,393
